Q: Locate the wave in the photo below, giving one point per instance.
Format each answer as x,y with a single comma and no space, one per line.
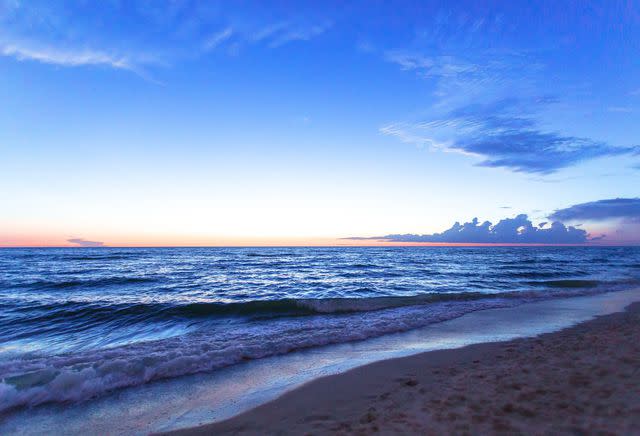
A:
107,281
83,375
567,283
309,306
533,274
125,313
267,254
33,380
99,257
288,307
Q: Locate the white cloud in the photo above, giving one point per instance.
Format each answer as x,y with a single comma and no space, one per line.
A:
67,57
620,109
412,133
443,66
218,38
304,33
409,61
71,58
268,31
85,34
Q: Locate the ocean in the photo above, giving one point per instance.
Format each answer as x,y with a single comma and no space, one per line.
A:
78,323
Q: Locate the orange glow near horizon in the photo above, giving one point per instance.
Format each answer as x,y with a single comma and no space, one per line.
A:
47,238
36,242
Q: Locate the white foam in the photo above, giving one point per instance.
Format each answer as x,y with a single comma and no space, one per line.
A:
79,376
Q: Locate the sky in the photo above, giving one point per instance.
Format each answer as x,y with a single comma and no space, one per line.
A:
177,122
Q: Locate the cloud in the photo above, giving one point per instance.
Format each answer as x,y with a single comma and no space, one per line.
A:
69,36
518,230
442,66
80,57
601,210
460,74
290,33
488,100
505,134
620,109
277,34
137,34
217,38
409,61
84,243
598,238
365,46
70,58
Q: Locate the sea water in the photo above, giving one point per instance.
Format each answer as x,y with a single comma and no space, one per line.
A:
81,323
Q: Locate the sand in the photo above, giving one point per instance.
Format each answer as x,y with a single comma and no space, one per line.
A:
582,380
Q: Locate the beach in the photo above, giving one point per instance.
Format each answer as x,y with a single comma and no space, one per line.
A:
581,380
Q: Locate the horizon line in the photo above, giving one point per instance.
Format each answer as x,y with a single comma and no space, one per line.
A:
379,245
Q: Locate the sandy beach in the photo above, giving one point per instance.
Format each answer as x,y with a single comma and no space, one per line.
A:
581,380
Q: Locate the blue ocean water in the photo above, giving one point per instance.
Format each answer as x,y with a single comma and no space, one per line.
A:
77,323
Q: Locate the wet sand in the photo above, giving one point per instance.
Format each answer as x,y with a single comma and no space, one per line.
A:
581,380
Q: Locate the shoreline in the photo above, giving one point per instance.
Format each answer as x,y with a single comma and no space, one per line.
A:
201,399
581,378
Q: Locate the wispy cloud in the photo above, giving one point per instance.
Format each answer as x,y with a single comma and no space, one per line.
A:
217,38
409,61
271,36
621,109
411,133
71,58
459,75
299,34
67,57
80,34
284,33
518,230
365,46
442,66
504,134
488,100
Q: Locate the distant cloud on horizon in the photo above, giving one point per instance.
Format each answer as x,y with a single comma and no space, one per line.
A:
521,230
81,242
518,230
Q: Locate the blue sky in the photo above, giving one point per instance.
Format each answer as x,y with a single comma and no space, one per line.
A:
204,123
